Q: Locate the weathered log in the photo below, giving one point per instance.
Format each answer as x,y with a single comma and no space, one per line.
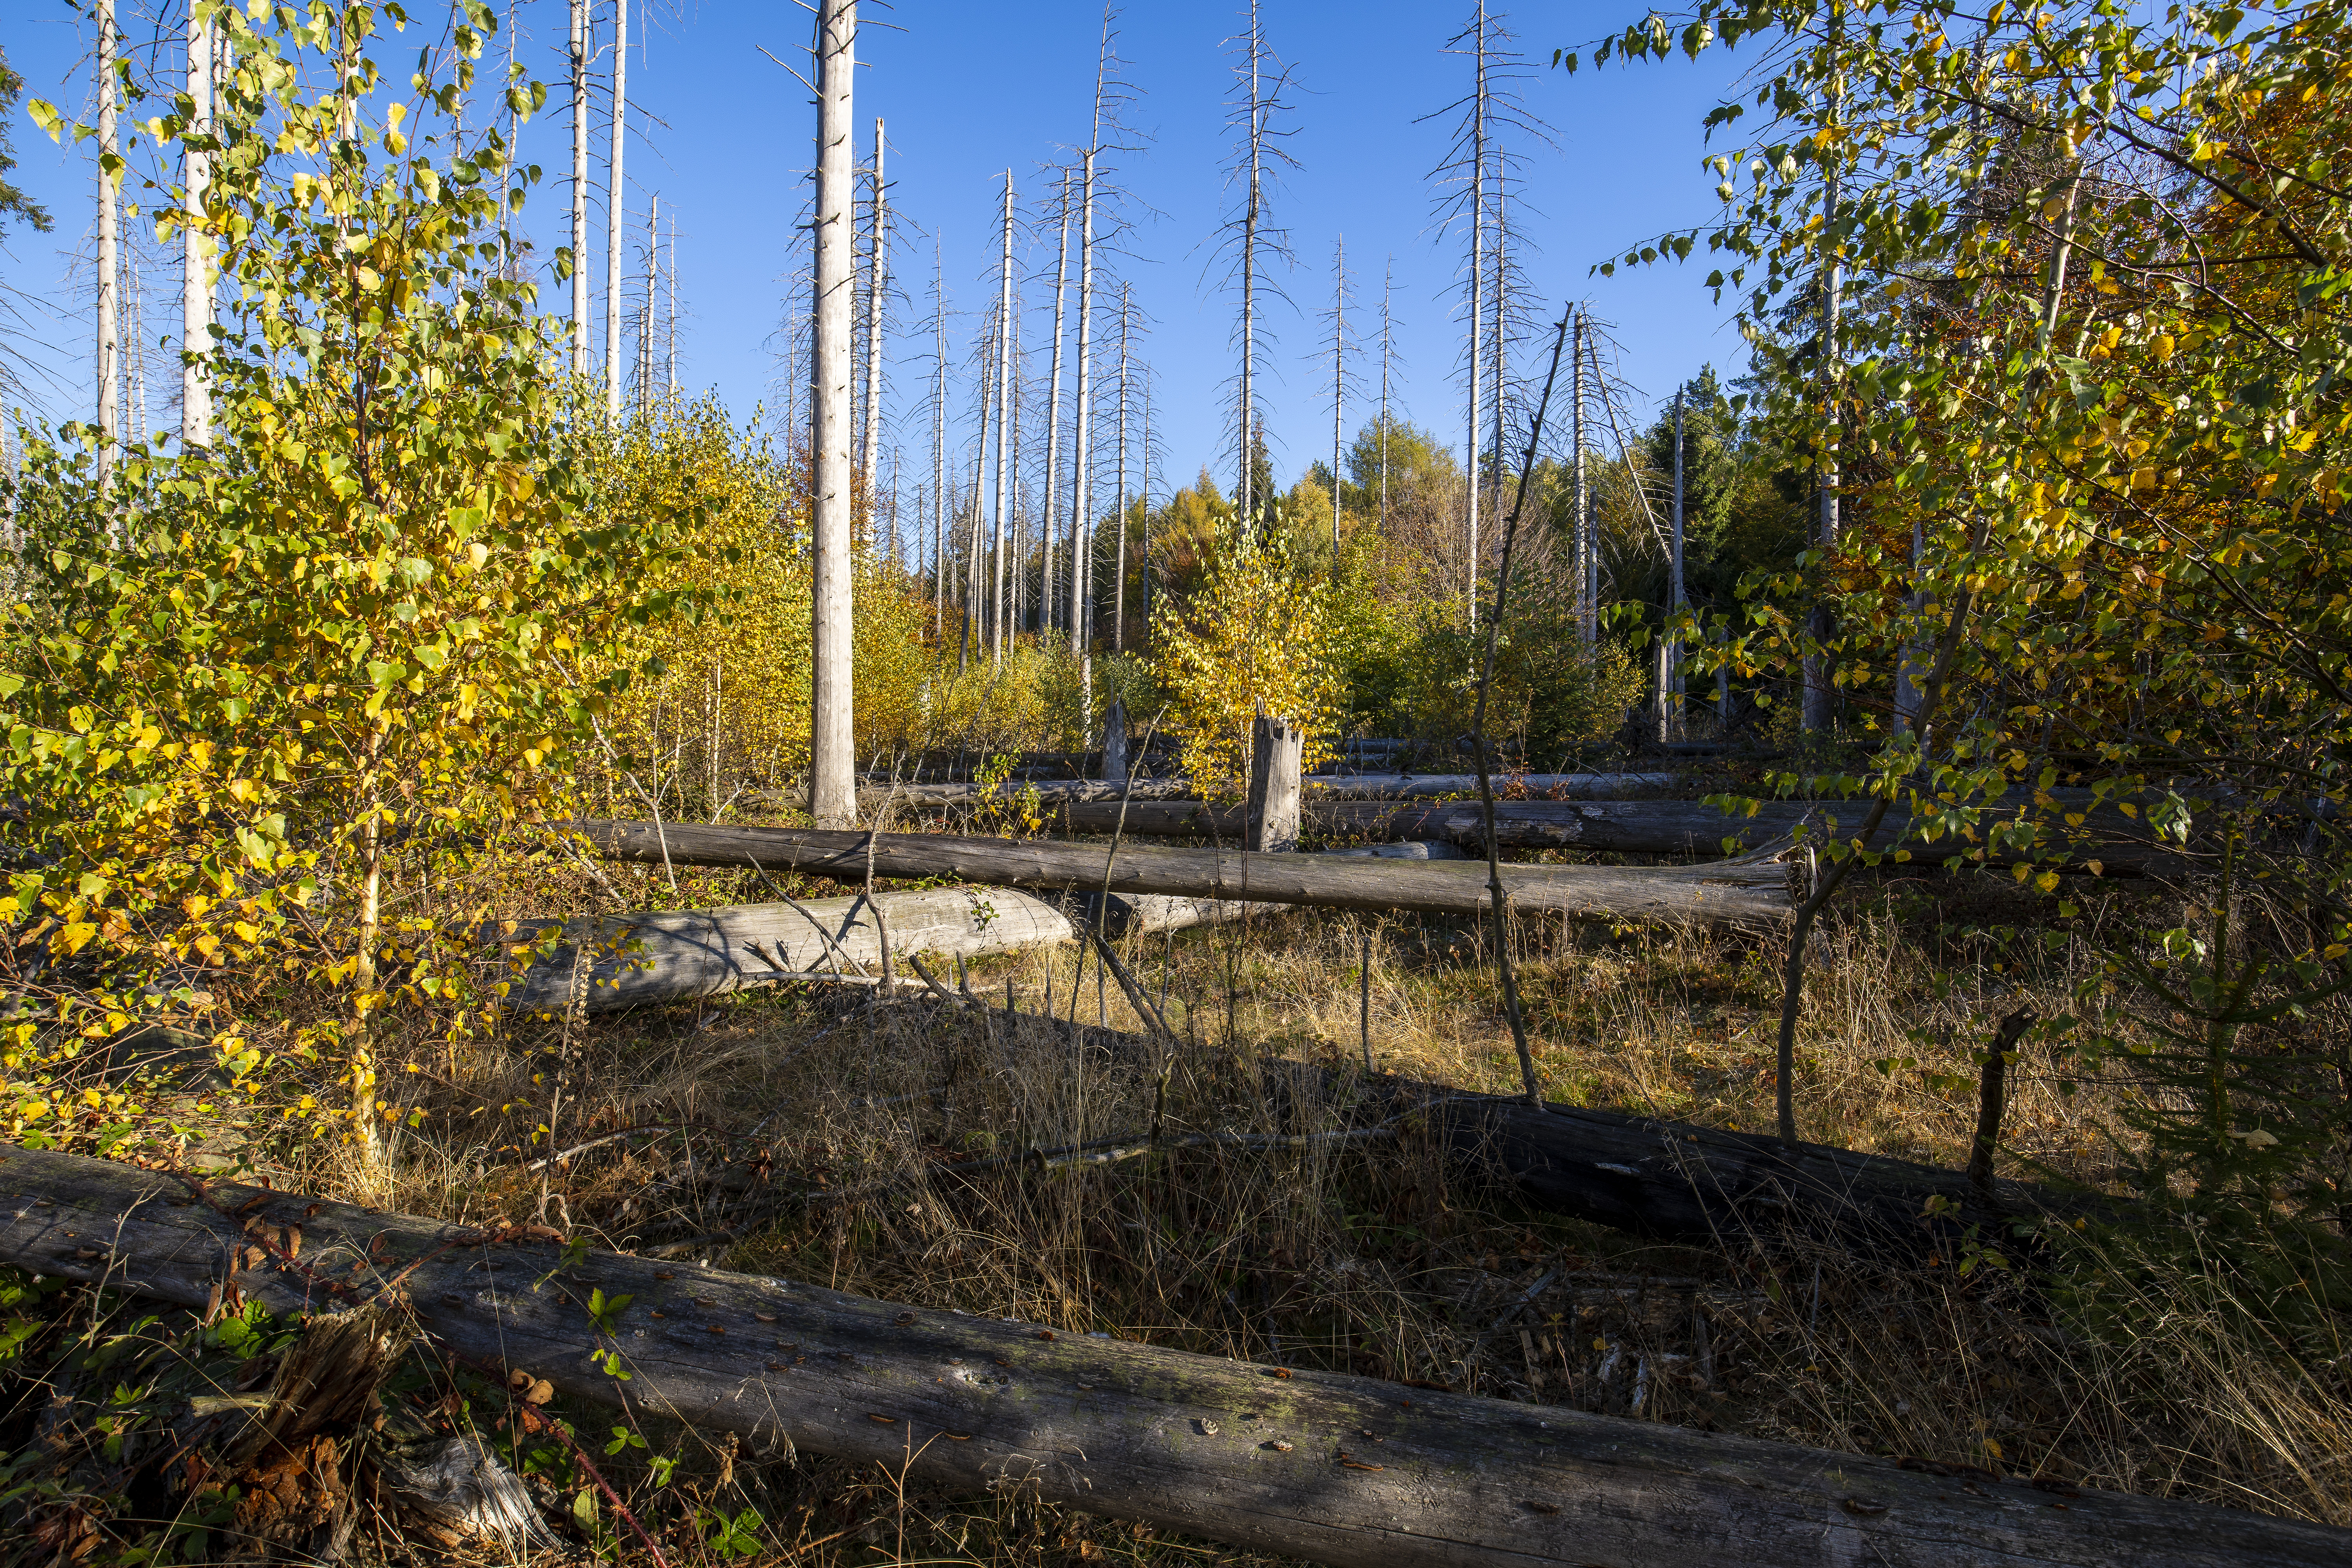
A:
1417,787
1753,895
1683,1182
648,957
1644,827
1314,786
1335,1468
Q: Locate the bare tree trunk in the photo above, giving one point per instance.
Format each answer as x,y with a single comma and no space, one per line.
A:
1587,622
653,295
670,337
1246,489
1004,476
1049,597
1388,325
1673,695
877,279
109,355
1477,279
579,62
939,442
196,289
617,203
1081,455
1338,381
833,762
1118,569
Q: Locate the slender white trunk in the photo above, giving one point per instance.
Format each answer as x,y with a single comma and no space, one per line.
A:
196,291
1081,449
1143,542
998,623
580,187
1497,361
653,292
1675,586
1339,380
1247,487
833,764
1477,281
1018,572
877,279
939,442
1586,623
617,203
669,380
109,355
1119,568
1387,324
1818,708
1050,597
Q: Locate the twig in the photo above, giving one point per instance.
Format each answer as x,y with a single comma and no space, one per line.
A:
1478,733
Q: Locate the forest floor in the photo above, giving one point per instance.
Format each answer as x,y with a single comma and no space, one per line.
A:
798,1133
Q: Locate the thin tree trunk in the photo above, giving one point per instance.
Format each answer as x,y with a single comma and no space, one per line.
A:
1587,623
1247,487
1819,707
1673,694
579,62
653,295
616,205
107,357
1118,569
877,279
1081,464
196,289
833,762
939,442
1477,280
670,337
1388,322
1049,598
1338,381
998,621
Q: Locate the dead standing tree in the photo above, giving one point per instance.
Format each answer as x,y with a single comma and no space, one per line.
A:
833,762
1252,241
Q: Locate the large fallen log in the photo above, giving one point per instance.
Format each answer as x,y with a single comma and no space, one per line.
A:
1334,1468
1642,827
1313,786
1754,895
647,957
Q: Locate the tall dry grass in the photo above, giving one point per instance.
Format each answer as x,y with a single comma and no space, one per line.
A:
802,1136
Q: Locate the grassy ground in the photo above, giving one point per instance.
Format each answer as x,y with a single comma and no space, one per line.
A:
799,1133
1381,1259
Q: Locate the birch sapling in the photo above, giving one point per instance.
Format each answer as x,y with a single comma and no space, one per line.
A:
833,764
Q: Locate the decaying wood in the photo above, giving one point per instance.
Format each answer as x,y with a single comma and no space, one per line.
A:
1313,786
1334,1468
1753,895
1276,747
647,957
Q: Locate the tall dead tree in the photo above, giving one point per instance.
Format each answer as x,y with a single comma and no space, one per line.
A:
197,282
1587,624
877,282
938,438
1118,565
833,762
1338,383
1260,79
1081,449
669,336
617,205
107,357
1048,597
578,260
1388,357
997,624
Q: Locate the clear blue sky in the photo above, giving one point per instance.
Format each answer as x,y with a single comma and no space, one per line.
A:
970,90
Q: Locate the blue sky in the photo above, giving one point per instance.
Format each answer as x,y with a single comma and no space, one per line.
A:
970,91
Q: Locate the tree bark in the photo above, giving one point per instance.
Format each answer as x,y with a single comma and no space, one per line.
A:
579,63
1754,896
833,762
616,203
197,282
1276,745
1331,1467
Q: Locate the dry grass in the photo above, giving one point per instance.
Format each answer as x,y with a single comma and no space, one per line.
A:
800,1142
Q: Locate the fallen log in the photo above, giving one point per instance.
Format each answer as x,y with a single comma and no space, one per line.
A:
1753,895
1334,1468
1645,826
1313,786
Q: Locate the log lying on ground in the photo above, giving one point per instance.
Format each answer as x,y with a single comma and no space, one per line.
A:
1751,895
1635,826
1314,786
1335,1468
647,957
1682,1181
